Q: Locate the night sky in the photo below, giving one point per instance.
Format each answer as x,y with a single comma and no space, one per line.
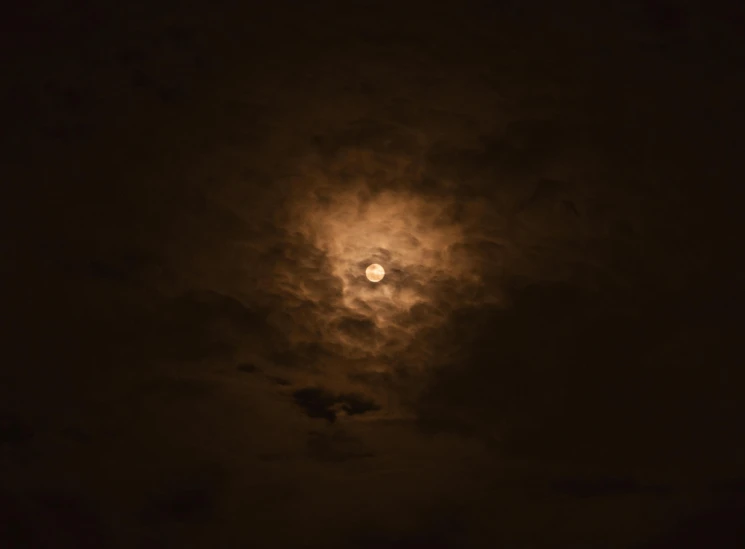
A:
192,356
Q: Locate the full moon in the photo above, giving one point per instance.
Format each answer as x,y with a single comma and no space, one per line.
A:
375,272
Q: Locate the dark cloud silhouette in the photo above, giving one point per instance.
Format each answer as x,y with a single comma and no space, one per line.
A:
318,403
247,367
357,327
354,404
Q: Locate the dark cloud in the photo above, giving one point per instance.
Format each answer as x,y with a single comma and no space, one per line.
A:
357,404
357,328
316,403
319,403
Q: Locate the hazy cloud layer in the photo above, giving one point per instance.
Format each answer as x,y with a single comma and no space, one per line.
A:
195,352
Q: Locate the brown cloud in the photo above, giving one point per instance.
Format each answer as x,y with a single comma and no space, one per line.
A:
552,337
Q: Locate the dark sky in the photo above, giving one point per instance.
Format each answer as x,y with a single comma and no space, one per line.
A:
193,357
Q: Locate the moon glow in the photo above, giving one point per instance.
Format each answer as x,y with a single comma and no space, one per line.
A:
375,272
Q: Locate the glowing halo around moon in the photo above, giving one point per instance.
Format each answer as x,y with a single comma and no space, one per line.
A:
375,272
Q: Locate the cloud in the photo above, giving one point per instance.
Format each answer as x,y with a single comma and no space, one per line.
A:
540,231
247,367
358,328
318,403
